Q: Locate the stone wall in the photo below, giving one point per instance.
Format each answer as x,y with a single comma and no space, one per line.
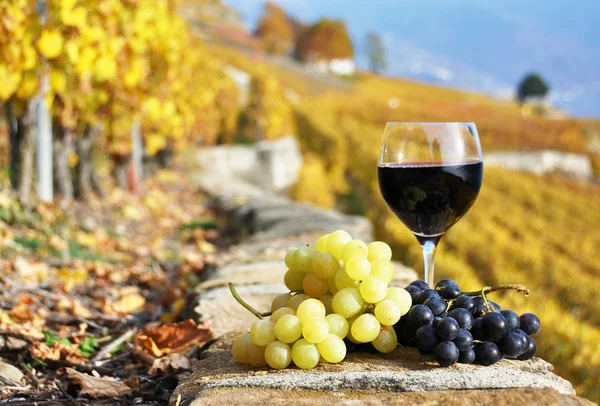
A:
543,162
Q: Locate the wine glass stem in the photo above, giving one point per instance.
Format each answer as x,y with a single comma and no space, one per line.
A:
428,258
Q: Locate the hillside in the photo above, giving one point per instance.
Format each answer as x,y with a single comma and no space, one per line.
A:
540,231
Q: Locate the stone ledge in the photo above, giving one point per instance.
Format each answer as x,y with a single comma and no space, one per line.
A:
494,397
376,378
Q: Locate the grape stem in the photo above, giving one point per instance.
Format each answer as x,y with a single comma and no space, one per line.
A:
241,301
489,289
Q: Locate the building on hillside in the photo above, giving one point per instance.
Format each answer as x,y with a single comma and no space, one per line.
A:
337,66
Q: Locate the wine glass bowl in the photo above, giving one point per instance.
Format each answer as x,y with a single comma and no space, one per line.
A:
430,175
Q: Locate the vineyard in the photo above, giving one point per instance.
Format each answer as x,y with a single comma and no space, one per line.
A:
541,231
104,68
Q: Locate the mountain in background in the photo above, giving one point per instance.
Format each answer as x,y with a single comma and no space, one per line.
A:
473,44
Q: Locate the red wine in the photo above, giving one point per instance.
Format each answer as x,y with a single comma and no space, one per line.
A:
430,197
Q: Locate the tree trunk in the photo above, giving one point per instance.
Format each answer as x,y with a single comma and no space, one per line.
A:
121,164
26,146
96,185
13,130
84,168
63,147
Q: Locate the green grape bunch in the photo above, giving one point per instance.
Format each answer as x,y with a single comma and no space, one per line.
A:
339,293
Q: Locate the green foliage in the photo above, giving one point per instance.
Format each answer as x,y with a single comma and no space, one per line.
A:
325,40
51,339
376,52
88,346
532,86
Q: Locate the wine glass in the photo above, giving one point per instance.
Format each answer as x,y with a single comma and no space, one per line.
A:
430,175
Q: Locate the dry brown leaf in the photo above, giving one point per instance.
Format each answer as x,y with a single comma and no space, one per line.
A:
58,243
21,313
31,273
97,387
42,351
73,306
172,362
174,337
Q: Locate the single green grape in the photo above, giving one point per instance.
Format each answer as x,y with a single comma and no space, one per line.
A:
338,325
379,250
309,309
342,280
262,332
348,302
315,330
386,341
278,355
239,349
382,268
349,336
358,267
305,355
327,302
401,297
288,328
352,248
315,286
280,301
293,279
256,355
277,314
321,244
332,348
336,241
365,328
289,258
325,265
295,301
303,259
387,312
373,289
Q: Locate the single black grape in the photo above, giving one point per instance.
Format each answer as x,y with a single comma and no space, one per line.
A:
445,282
466,357
512,319
513,344
463,340
420,284
448,289
478,300
530,351
436,304
419,315
494,325
477,330
446,353
479,310
522,334
426,339
463,302
447,329
488,353
414,291
529,323
463,317
495,306
426,294
436,320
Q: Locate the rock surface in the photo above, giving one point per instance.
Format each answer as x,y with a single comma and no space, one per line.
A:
11,372
376,379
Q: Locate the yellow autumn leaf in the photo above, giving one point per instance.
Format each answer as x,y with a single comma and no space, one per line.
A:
85,239
29,56
29,87
155,143
152,108
58,81
74,17
105,68
72,50
132,212
130,303
50,43
72,277
72,160
9,82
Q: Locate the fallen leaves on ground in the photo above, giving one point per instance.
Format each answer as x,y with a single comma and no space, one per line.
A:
73,282
174,338
97,387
